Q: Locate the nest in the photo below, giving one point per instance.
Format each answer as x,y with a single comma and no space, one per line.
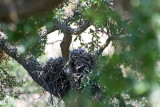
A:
80,62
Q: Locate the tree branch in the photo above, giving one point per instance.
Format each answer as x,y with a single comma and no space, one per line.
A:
65,44
82,28
29,62
67,29
101,49
67,39
62,26
11,10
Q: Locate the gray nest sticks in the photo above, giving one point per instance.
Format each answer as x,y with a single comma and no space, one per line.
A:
80,62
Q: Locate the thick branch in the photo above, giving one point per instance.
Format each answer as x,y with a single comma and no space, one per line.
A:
10,10
65,44
29,63
67,39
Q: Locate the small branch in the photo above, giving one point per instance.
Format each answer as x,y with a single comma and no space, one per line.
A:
53,42
82,28
101,49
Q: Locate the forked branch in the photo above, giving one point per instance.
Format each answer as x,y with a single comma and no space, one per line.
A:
65,44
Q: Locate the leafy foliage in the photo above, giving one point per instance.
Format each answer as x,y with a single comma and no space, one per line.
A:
8,82
27,33
132,69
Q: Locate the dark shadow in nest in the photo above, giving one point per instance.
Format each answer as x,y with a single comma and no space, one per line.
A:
81,63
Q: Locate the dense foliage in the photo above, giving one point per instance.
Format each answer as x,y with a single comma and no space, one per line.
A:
7,80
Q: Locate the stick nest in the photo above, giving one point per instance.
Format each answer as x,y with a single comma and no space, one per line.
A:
80,62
